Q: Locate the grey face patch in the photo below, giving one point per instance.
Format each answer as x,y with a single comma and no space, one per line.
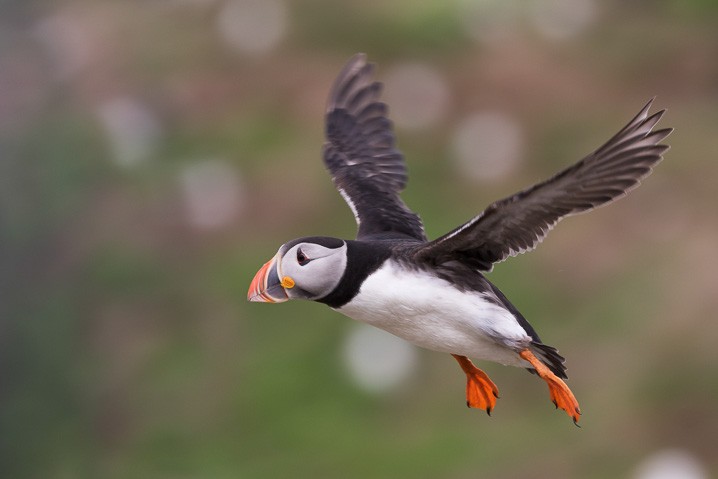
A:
315,265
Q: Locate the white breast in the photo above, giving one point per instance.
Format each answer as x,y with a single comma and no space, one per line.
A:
431,313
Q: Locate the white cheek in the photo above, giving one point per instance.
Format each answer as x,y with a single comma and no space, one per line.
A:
320,276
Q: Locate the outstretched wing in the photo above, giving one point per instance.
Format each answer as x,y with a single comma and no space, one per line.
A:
366,168
519,223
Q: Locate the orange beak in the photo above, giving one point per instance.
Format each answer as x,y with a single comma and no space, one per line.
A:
266,286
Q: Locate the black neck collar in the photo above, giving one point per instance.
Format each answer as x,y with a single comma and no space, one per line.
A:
363,258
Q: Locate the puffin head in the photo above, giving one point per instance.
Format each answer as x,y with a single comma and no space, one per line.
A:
304,268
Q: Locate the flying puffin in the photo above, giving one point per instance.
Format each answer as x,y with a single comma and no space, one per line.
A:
434,293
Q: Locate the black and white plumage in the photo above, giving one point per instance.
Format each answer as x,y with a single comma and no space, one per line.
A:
433,293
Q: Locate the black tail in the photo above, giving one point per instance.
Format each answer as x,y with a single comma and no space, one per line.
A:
547,354
550,357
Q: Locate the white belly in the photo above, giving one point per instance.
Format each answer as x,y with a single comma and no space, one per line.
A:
431,313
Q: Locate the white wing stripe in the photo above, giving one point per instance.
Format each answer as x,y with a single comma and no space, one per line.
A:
351,204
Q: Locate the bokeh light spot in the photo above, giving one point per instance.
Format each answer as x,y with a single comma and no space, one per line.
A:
671,464
132,129
418,95
378,361
490,21
253,26
213,193
562,19
68,41
488,145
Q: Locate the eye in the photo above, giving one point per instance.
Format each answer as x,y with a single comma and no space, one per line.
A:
302,258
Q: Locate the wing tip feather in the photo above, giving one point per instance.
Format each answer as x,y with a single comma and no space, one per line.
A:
348,74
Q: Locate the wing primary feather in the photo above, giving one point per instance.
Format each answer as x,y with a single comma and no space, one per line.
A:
360,153
519,222
345,80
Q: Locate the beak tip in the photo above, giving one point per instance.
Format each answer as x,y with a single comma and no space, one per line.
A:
255,295
265,287
255,298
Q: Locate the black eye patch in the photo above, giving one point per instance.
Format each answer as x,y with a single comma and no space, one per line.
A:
302,259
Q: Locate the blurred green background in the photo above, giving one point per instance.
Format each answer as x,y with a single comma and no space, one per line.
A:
153,154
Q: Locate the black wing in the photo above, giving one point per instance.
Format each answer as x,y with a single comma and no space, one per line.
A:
366,168
520,222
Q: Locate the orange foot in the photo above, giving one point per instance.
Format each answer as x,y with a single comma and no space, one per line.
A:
561,395
481,392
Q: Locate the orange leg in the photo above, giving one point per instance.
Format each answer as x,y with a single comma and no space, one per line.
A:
561,395
481,392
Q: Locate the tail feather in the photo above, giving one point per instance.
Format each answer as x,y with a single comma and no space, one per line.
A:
550,357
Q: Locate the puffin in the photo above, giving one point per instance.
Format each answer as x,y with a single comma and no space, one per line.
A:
435,294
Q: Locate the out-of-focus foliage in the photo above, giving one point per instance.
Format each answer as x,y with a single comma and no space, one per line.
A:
153,154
